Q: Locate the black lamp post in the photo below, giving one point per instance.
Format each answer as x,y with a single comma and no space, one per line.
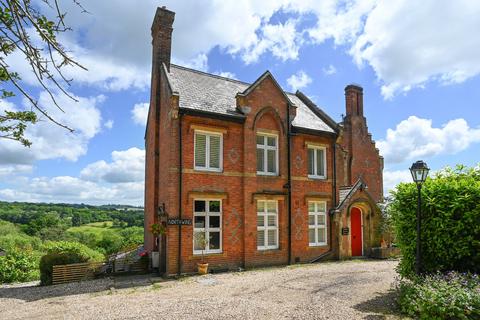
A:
419,171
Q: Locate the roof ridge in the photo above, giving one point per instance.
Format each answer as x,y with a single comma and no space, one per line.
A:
210,74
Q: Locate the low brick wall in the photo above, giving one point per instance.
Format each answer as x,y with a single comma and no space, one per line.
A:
384,253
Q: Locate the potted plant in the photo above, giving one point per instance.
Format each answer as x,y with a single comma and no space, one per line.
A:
156,229
202,242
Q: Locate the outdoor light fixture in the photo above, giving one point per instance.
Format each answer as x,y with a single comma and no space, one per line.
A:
419,171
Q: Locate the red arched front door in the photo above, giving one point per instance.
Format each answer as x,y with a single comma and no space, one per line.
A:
356,225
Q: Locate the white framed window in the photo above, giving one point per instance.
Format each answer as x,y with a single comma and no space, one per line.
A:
208,151
317,162
267,154
317,223
267,224
207,220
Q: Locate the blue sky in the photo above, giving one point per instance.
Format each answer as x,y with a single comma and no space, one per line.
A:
417,62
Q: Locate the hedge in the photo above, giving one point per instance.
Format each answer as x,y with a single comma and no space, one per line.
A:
63,252
450,222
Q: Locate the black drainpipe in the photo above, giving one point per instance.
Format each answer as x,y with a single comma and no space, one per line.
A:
180,169
289,186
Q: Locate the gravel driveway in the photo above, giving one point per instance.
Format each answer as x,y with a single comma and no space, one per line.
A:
355,289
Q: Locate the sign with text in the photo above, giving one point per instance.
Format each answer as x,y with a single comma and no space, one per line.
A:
345,231
176,222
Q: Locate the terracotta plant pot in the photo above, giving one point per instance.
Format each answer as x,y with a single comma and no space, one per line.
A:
202,268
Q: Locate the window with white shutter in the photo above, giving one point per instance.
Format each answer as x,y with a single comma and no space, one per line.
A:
267,154
208,151
317,223
267,224
317,162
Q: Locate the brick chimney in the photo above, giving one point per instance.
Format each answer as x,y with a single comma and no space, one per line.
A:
354,100
162,36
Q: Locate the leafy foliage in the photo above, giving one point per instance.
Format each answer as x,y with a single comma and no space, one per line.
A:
18,265
34,230
63,252
450,296
30,33
450,222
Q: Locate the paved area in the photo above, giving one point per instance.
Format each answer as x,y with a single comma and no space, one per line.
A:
334,290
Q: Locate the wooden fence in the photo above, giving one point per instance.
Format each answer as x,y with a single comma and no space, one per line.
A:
75,272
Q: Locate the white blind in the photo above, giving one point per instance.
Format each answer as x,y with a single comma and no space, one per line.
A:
200,150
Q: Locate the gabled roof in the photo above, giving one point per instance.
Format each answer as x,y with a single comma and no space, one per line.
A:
265,75
210,93
348,193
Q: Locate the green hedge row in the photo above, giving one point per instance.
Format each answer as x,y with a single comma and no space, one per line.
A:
450,222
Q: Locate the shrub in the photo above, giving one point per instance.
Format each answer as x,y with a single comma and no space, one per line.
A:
19,266
450,222
450,296
59,253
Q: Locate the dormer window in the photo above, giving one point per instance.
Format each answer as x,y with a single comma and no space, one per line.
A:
208,151
267,154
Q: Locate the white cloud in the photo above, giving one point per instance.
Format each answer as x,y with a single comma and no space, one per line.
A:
126,166
50,141
392,178
416,138
226,74
108,124
331,70
299,80
140,113
119,181
74,190
408,43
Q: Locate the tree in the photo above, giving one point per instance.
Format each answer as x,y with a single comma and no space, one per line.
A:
21,23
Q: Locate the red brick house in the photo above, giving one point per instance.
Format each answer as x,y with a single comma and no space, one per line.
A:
264,174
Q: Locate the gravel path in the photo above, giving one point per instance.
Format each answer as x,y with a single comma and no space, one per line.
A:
335,290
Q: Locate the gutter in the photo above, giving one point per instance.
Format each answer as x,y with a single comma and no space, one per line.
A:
180,169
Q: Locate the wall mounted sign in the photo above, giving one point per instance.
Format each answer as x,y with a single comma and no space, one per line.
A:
176,222
345,231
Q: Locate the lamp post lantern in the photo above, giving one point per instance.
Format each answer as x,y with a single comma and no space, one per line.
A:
419,171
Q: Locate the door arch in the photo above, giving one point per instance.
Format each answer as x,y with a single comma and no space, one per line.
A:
356,232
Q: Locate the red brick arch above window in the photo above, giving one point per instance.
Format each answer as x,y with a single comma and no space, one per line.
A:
265,111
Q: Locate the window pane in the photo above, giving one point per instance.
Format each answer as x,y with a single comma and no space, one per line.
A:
272,161
311,235
311,161
260,206
200,150
260,140
214,151
214,240
199,206
321,234
271,141
214,206
271,206
311,207
272,221
260,166
311,219
199,222
214,222
197,240
260,238
320,164
321,219
321,207
260,220
272,237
